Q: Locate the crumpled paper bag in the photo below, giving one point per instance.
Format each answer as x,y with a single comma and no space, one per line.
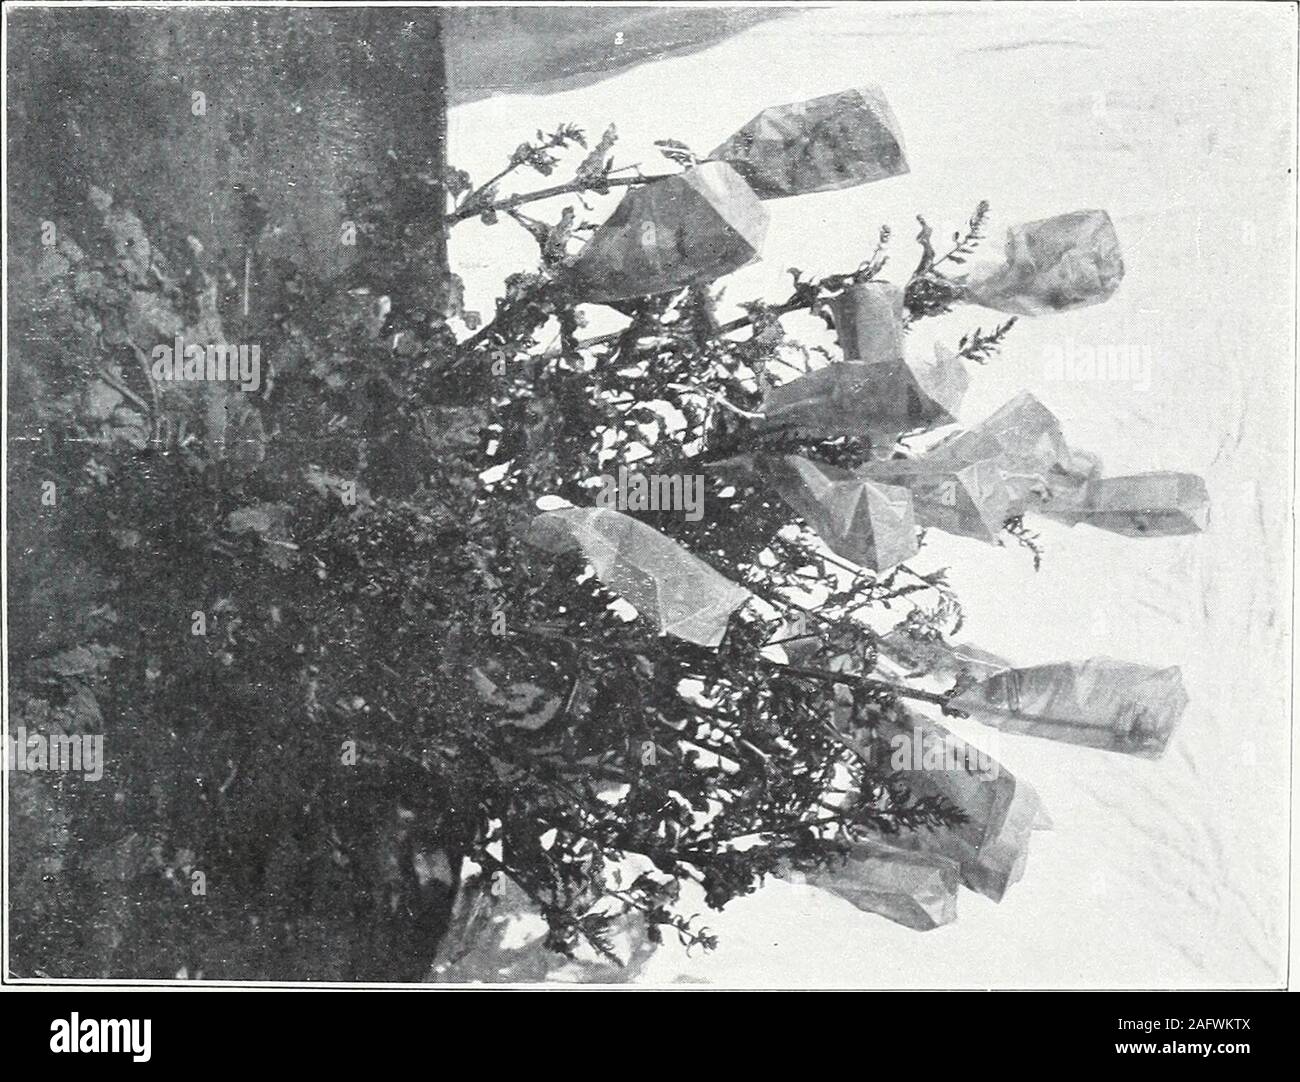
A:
1052,265
880,400
671,233
1099,703
667,584
972,501
992,846
1161,504
1024,440
869,523
916,890
836,141
869,322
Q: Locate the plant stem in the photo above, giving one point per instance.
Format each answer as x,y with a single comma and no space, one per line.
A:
825,676
794,304
927,249
573,187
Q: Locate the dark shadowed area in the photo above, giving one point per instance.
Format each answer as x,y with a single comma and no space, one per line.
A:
296,103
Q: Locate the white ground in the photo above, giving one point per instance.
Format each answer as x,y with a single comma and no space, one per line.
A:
1179,121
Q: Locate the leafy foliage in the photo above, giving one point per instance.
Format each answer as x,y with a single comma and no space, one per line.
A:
978,346
929,291
677,152
356,543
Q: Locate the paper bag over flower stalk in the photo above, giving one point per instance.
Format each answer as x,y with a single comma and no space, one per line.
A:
1052,265
1160,504
992,846
671,587
869,322
877,391
671,233
1100,703
1024,440
836,141
916,890
972,501
869,523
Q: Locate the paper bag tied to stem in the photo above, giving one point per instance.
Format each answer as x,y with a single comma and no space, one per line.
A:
836,141
972,501
868,523
1052,265
671,587
1161,504
877,391
672,233
992,846
916,890
1099,703
1024,440
869,322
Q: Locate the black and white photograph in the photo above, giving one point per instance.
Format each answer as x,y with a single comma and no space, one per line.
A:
649,496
